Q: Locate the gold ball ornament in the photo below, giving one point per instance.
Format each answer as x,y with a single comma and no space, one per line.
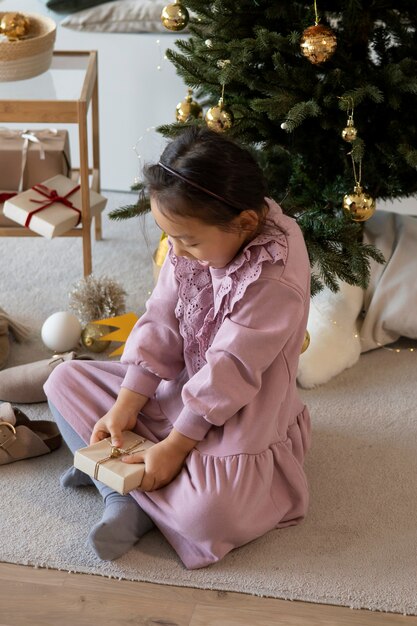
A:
14,26
175,16
358,205
318,43
91,337
188,109
219,118
349,133
159,256
306,342
162,250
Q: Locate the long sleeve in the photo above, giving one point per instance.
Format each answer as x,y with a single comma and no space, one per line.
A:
246,344
154,349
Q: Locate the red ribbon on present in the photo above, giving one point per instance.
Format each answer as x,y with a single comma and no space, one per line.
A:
53,197
6,196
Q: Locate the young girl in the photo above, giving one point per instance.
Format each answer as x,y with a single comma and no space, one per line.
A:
209,371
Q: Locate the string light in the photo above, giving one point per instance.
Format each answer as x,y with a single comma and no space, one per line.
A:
135,147
357,335
380,345
159,66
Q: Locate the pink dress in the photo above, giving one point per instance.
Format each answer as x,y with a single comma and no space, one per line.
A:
216,352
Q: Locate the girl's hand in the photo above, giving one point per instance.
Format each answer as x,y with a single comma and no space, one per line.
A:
113,423
163,461
122,416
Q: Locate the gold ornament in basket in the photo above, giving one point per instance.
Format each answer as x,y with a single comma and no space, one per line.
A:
30,55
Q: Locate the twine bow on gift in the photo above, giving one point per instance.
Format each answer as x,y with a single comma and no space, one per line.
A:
115,453
28,136
53,197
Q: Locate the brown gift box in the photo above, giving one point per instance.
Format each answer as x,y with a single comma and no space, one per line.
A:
97,462
28,156
5,221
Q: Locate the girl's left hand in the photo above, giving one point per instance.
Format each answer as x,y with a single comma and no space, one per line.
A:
163,462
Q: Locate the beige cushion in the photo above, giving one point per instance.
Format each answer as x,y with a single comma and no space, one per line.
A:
390,301
120,16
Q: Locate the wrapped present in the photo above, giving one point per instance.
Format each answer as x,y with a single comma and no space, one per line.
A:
4,221
28,156
51,208
102,461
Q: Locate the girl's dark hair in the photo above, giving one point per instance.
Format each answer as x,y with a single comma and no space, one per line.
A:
212,162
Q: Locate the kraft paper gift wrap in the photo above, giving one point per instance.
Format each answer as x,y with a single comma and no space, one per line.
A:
4,221
57,217
96,461
29,156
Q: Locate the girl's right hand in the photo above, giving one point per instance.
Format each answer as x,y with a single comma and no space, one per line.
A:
113,423
122,416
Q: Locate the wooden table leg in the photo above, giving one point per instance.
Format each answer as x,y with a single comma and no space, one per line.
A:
96,152
85,188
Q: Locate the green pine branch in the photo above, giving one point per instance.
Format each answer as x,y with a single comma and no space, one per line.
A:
291,113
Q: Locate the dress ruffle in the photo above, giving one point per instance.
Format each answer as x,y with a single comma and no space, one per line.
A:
197,307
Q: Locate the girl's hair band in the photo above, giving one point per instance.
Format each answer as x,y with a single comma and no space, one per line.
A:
197,186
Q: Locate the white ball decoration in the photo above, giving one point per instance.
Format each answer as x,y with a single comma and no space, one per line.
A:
61,331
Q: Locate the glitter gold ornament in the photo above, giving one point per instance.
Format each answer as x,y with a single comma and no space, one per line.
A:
219,118
91,337
358,205
306,342
162,250
159,256
14,26
188,109
349,133
175,16
318,43
93,298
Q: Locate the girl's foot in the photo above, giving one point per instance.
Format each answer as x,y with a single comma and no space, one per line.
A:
74,477
122,525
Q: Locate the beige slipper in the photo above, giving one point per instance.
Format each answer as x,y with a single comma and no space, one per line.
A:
8,328
20,438
23,384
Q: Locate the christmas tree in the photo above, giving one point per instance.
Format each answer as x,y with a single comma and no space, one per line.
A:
292,110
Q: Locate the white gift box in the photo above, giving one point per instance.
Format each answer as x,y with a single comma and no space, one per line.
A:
102,462
40,209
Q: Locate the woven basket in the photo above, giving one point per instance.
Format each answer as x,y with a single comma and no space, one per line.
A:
28,57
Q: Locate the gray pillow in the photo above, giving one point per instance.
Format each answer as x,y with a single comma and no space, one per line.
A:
120,16
70,6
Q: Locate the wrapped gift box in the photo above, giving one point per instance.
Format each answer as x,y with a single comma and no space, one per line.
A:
4,221
26,157
53,216
97,462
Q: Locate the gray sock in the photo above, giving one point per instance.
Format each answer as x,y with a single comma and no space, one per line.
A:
123,522
122,525
74,477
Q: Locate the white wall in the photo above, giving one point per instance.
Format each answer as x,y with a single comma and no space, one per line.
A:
133,94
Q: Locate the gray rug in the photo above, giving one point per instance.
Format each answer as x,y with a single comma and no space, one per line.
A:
358,545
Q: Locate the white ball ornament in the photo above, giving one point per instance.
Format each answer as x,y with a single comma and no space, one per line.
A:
61,331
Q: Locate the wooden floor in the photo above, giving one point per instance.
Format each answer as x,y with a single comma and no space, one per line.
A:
38,597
